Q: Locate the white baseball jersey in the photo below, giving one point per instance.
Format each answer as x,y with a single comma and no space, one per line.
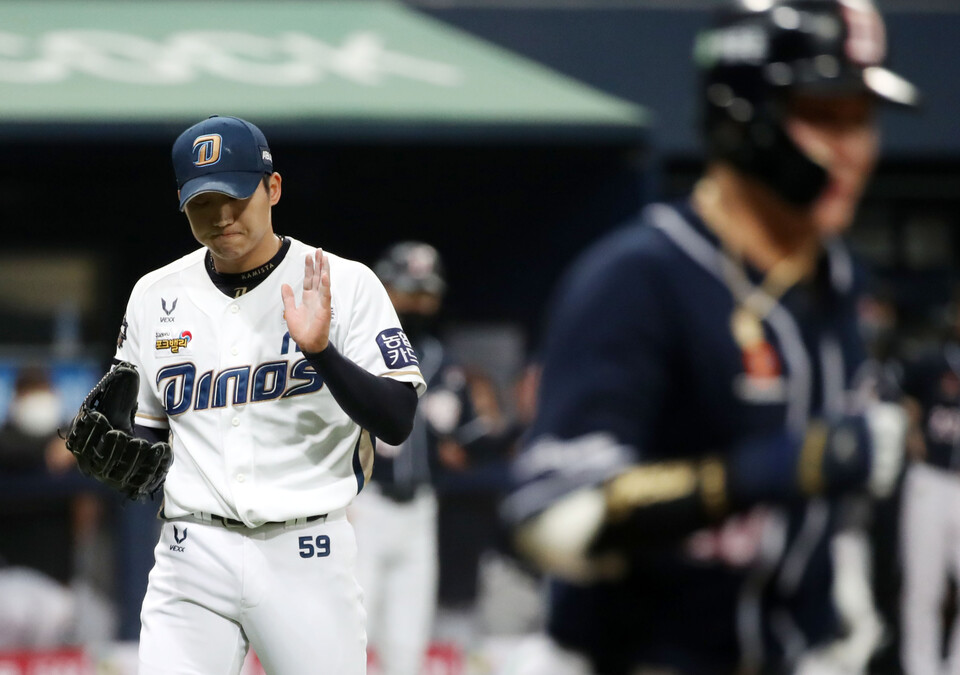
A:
255,433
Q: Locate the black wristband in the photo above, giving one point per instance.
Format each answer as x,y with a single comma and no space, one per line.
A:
661,502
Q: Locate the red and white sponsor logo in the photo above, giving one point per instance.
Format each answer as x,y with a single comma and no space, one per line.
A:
56,662
442,658
735,543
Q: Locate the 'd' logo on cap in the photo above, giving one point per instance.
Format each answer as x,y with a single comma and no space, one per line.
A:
206,149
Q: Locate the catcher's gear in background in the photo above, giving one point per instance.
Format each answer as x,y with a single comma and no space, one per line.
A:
101,437
412,267
395,517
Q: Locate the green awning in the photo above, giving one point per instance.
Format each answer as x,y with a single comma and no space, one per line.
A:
333,65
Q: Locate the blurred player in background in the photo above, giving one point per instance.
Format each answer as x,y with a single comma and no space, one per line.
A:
697,439
396,516
881,377
931,507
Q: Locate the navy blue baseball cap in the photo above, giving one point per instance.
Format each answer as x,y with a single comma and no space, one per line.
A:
221,154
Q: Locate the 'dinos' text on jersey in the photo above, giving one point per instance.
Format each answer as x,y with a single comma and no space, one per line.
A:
182,389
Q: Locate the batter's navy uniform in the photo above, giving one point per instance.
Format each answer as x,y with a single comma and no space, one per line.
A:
648,359
930,527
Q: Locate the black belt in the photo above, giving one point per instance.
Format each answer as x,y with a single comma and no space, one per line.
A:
233,522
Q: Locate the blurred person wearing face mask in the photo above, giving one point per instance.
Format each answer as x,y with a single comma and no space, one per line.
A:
36,531
28,437
36,560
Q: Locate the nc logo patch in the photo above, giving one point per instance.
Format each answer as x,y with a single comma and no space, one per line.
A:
206,150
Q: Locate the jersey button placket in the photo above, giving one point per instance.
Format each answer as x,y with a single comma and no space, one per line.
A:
238,453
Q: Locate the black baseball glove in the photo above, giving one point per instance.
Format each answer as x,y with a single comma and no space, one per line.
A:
101,437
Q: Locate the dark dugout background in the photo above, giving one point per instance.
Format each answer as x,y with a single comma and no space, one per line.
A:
508,212
507,218
640,50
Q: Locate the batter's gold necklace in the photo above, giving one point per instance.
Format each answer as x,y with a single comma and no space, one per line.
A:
753,301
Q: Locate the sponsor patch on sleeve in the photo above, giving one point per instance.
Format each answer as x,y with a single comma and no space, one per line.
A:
122,337
396,349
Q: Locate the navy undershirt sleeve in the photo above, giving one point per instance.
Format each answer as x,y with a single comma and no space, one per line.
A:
382,406
151,434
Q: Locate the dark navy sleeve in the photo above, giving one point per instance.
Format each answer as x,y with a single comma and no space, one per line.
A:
381,405
151,434
451,414
470,425
483,442
920,375
606,370
607,345
451,385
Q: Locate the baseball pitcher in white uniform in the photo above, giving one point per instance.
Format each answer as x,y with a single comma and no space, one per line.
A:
270,367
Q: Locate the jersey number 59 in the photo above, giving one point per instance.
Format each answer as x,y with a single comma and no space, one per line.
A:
318,546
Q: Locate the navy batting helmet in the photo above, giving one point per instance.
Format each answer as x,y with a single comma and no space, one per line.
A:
757,52
412,267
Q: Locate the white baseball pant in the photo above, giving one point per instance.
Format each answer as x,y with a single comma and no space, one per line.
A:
287,590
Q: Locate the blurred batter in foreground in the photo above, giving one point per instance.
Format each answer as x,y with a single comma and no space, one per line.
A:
696,453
